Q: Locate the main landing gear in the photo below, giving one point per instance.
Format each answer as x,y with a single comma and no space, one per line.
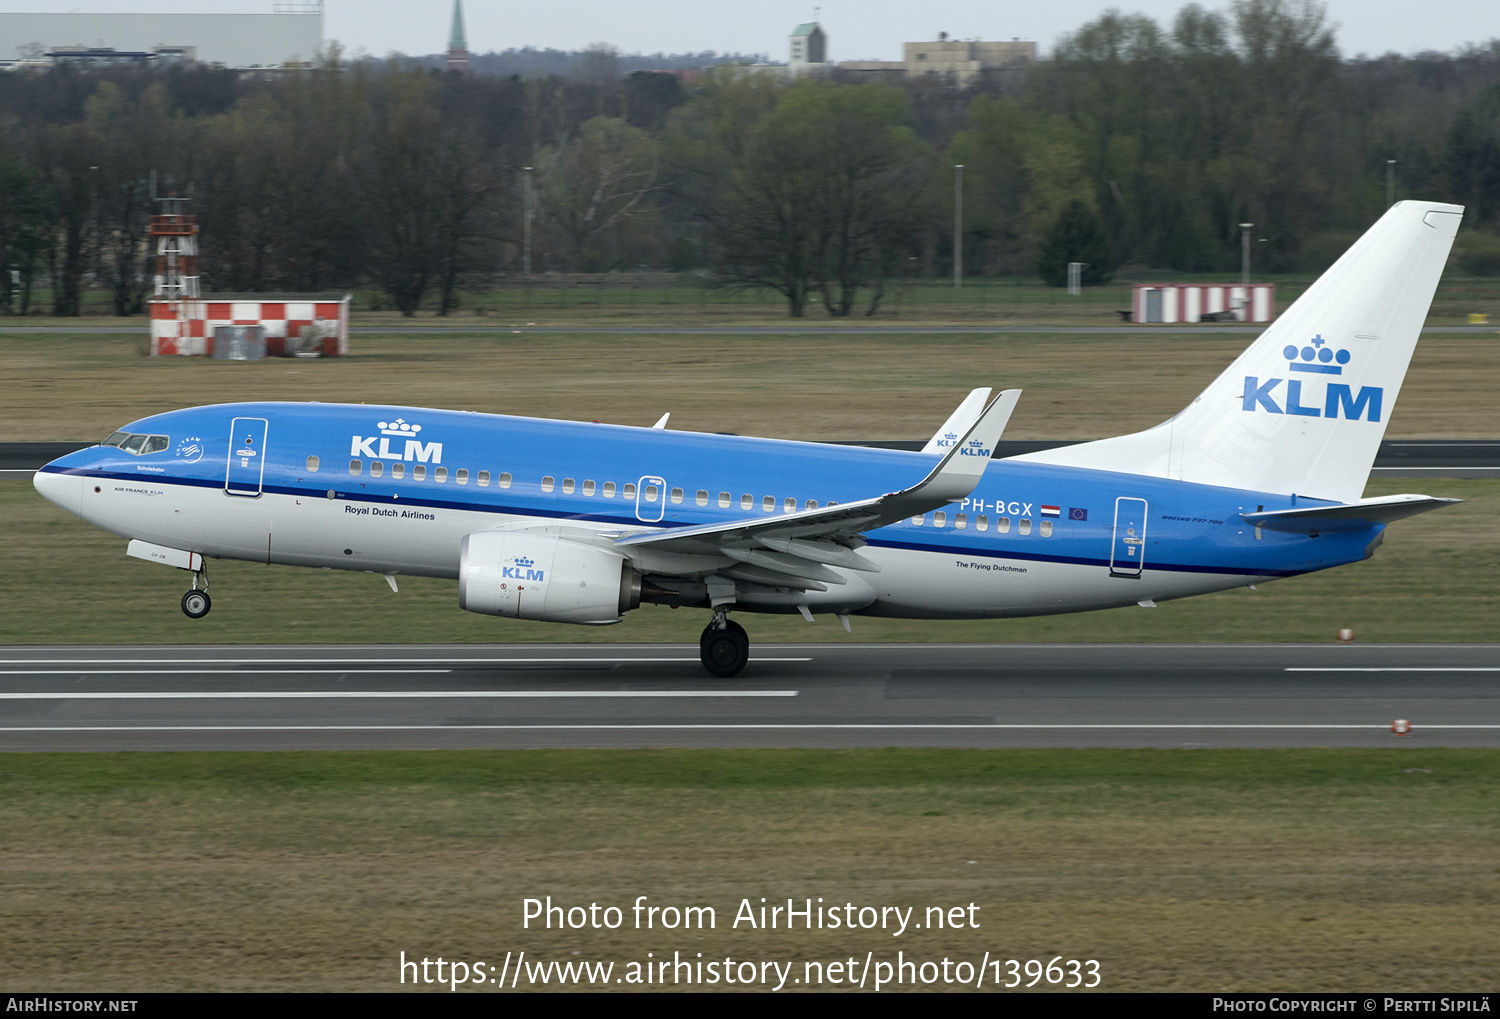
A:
724,647
196,603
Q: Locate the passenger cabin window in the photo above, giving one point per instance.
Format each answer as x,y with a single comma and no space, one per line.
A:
377,469
790,506
1046,528
768,503
588,488
960,521
812,504
504,480
676,495
628,492
702,497
650,493
939,518
461,476
724,500
484,479
917,521
982,524
747,501
398,470
609,490
418,473
312,465
1024,527
355,467
568,486
440,475
549,483
1003,525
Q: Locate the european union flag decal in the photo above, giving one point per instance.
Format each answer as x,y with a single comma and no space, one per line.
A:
1075,513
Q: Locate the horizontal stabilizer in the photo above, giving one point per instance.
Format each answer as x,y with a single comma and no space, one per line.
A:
1353,516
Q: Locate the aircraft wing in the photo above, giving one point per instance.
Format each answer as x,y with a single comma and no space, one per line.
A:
1346,516
802,545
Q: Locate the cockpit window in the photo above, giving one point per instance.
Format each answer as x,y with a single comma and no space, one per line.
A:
138,444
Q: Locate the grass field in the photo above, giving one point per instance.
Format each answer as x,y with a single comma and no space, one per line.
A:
800,387
1176,870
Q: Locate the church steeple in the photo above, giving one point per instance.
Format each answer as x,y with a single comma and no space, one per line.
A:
458,46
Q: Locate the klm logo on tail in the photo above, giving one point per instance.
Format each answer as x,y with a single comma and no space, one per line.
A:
1338,399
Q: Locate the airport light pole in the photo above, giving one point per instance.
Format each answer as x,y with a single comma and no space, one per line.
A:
526,226
1245,256
958,225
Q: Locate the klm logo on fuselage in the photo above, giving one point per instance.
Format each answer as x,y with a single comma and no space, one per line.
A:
414,449
1338,399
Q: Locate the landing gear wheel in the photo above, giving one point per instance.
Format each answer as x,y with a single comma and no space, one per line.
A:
724,652
195,604
730,627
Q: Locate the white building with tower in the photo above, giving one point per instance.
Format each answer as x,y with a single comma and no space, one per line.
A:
807,50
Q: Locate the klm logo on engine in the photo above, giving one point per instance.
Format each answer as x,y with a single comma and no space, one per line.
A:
414,450
522,570
1338,399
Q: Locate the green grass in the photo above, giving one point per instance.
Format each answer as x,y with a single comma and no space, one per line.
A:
1177,870
68,582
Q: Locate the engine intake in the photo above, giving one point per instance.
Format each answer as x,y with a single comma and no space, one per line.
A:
533,576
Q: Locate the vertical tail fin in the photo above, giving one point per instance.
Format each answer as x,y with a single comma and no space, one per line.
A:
1304,408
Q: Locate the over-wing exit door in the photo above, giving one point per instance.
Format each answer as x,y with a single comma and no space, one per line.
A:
1129,551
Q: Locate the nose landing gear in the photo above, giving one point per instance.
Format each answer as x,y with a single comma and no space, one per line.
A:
196,603
724,647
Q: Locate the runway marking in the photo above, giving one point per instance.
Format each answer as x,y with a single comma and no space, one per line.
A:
1393,668
360,661
706,727
219,672
218,695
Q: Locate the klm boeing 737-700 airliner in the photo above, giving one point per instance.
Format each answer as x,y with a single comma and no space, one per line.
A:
1260,477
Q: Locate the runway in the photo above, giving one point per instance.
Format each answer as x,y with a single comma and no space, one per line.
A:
790,695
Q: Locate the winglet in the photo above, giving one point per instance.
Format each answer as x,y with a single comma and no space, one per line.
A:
959,422
662,421
960,470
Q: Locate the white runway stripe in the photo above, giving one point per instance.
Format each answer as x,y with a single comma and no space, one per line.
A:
689,726
250,695
1393,668
360,661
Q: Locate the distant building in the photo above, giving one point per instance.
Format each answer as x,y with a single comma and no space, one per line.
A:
291,35
807,50
458,45
957,60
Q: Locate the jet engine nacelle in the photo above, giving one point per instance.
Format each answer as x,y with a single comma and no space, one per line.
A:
534,576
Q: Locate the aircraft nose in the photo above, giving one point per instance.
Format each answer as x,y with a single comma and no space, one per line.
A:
64,490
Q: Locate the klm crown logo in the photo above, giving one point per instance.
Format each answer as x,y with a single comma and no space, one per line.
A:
1316,358
1338,400
523,561
398,428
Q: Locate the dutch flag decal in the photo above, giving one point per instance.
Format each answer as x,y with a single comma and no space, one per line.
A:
1051,511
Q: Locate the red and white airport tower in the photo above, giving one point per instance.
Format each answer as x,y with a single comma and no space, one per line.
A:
183,321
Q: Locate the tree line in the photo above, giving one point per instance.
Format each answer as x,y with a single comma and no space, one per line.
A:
1137,144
